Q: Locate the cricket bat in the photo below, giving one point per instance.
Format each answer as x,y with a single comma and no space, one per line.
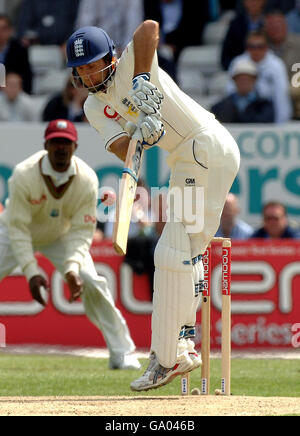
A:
127,193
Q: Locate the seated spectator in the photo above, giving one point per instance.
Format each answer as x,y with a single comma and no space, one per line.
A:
231,226
250,18
286,46
293,18
283,43
272,81
244,105
275,223
13,55
46,22
67,104
140,249
15,104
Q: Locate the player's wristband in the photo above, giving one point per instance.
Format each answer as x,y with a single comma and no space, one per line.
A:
144,76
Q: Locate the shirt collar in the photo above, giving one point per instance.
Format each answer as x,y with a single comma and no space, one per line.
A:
57,177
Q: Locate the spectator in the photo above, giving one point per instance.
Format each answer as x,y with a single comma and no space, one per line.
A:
15,104
1,207
250,18
67,104
11,8
284,44
46,22
293,18
272,82
13,55
118,18
275,223
140,249
231,225
245,104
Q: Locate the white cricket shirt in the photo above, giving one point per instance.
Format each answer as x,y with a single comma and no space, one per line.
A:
39,213
108,112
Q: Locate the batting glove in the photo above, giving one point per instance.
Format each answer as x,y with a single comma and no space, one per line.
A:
152,130
145,95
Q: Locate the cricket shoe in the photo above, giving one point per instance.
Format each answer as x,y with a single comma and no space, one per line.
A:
194,356
156,375
124,361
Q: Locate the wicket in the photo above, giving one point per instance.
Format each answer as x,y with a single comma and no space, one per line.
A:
206,322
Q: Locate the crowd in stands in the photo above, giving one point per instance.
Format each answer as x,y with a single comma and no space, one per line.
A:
265,33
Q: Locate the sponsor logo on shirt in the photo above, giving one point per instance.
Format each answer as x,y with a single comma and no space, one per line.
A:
111,113
37,202
54,213
89,219
132,110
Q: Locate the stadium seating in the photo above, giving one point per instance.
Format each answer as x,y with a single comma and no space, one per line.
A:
204,59
51,82
214,33
45,57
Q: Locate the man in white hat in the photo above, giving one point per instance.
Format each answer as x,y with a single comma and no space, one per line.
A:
245,105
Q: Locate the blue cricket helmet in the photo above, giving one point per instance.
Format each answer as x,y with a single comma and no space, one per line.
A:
87,45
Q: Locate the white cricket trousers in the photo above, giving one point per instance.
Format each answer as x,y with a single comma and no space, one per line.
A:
208,160
98,302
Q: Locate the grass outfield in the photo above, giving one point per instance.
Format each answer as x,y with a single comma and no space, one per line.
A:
33,375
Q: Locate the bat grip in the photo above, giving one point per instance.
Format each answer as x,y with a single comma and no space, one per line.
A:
131,173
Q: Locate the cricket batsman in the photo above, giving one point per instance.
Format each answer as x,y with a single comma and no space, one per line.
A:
133,92
52,209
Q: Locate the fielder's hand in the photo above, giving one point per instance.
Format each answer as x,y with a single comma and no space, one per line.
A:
75,285
35,285
145,95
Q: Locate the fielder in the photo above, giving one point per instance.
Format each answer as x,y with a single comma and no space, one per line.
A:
133,91
52,208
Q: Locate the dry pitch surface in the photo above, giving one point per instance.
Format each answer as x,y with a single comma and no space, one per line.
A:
145,406
155,406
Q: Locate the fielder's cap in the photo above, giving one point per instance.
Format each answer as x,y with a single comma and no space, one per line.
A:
61,129
244,67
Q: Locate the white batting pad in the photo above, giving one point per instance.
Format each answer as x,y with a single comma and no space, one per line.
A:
174,291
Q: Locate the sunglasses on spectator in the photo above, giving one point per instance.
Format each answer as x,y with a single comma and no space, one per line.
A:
272,218
256,46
